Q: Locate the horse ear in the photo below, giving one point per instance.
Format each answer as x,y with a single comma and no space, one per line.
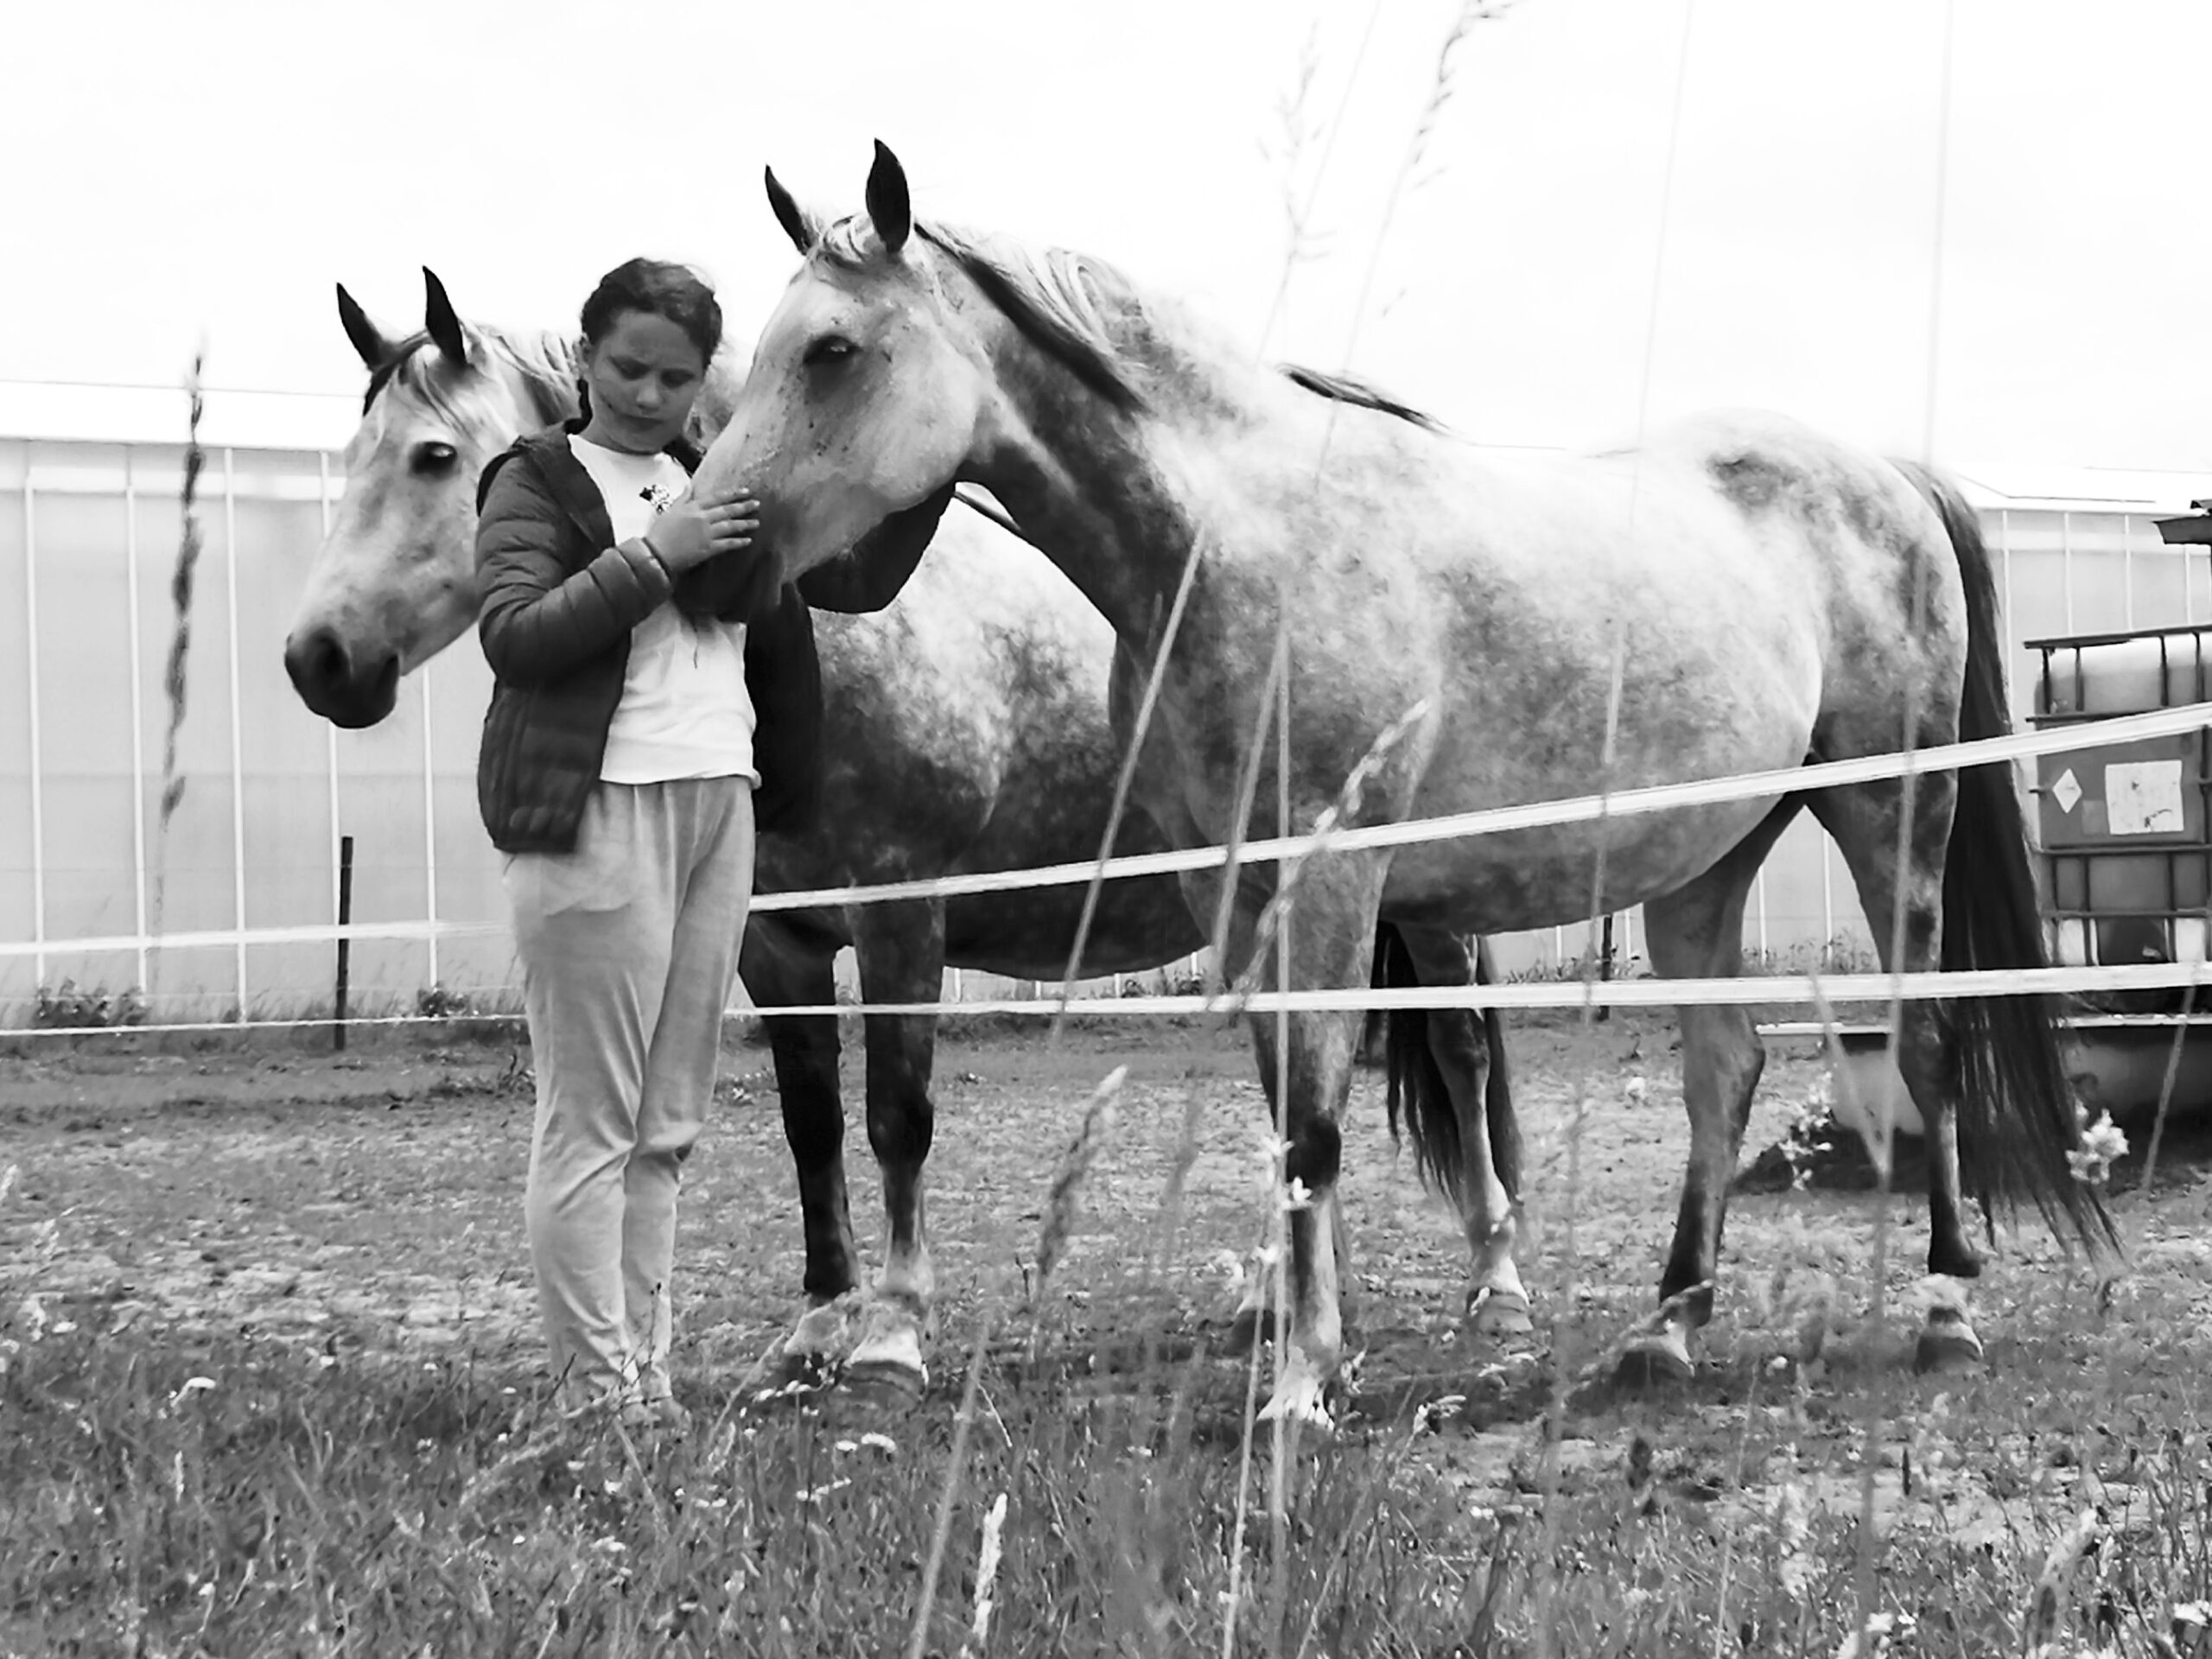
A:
442,322
797,226
368,340
890,208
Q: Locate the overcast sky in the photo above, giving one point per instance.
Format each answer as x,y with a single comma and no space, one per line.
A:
177,169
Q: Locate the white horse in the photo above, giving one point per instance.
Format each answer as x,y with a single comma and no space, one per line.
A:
1790,600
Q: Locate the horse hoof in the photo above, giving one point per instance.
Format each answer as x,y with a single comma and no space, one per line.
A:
1946,1347
1301,1401
883,1384
1500,1313
1653,1359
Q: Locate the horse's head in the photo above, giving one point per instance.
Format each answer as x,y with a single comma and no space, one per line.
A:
395,580
867,394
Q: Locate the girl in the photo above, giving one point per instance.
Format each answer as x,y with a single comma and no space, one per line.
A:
656,701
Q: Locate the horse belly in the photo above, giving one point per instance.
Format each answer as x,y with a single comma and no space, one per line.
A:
1551,877
1054,800
1141,922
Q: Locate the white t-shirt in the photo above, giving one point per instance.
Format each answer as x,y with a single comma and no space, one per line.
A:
684,712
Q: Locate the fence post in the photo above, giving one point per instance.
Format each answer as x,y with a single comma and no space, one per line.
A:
345,944
1606,963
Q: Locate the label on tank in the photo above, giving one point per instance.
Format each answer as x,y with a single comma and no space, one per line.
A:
2144,797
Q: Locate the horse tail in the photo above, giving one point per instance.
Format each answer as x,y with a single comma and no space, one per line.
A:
1497,1096
2017,1115
1417,1099
1373,1023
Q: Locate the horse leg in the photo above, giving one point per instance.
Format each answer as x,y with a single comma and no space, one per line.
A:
1448,1106
1255,1319
1863,819
784,964
1697,932
1331,934
901,951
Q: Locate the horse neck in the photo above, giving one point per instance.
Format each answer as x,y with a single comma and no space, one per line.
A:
1085,482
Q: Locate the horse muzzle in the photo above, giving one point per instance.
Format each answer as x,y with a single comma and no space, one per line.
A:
345,691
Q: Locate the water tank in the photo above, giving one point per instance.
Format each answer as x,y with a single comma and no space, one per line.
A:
2128,862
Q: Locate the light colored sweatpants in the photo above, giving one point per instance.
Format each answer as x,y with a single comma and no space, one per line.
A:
628,946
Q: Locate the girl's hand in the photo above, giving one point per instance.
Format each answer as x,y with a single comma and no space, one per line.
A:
696,528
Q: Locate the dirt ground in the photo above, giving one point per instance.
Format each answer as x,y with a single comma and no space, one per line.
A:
372,1204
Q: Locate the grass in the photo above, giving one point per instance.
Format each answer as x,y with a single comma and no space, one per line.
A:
193,1490
247,1499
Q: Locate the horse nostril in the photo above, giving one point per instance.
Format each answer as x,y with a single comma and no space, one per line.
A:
317,663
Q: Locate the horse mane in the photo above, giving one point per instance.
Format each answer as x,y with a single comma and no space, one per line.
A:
1343,389
1089,317
1070,304
544,361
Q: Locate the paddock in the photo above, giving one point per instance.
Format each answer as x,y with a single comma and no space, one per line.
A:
255,1219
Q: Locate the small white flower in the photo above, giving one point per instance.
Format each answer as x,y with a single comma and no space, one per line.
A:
2103,1144
1297,1195
823,1491
1272,1155
1634,1088
882,1443
1230,1266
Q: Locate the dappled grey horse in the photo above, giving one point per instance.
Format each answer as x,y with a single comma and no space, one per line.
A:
965,730
1789,599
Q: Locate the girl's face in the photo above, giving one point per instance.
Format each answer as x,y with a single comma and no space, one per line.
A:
643,374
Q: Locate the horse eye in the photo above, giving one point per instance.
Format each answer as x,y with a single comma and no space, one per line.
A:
831,349
435,457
